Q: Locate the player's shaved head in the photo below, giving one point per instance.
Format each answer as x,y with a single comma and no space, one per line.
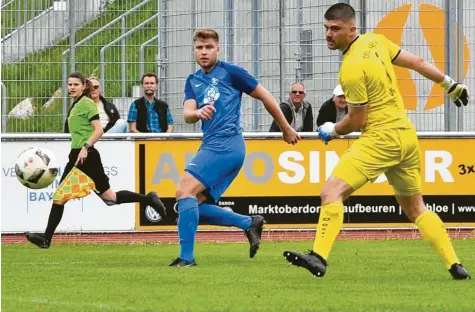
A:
341,11
205,33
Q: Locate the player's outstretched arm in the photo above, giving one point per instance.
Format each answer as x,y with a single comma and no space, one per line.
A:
458,93
271,105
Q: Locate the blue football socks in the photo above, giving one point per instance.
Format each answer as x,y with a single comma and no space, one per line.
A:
218,216
187,225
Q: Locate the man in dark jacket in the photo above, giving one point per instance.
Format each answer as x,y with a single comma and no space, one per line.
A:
296,110
108,114
334,109
149,114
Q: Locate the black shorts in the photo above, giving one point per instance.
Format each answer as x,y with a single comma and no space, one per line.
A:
92,167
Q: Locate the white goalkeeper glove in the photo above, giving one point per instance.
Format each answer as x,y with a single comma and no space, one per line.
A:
458,93
327,132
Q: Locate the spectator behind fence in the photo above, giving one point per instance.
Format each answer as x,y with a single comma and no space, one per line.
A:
108,114
149,114
334,109
296,110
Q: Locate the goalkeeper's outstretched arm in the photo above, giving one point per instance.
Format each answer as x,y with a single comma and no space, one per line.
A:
458,92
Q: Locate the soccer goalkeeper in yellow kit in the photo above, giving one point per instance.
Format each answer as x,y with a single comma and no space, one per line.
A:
388,143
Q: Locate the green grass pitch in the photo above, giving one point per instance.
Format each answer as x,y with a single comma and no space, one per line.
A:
362,276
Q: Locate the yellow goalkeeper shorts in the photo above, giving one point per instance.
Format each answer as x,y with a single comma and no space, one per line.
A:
394,152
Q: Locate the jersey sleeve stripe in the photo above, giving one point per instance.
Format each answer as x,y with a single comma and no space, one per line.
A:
395,57
95,117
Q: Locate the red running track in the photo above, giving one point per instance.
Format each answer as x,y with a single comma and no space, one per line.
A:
232,236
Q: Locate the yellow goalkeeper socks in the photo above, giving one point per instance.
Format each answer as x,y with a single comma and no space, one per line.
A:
329,225
433,231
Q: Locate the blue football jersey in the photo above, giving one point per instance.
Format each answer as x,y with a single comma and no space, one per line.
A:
224,86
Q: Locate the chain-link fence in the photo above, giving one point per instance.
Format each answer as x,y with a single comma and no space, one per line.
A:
278,41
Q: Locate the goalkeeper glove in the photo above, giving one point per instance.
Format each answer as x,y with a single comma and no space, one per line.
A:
327,132
458,93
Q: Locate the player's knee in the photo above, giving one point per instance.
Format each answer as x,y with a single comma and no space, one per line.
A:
333,190
327,192
412,205
182,192
411,212
325,195
186,188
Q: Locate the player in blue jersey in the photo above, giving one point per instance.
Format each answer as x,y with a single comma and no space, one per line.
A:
213,95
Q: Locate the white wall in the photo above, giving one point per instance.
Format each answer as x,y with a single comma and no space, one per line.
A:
23,209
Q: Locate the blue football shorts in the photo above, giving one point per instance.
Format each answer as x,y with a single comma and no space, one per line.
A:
216,168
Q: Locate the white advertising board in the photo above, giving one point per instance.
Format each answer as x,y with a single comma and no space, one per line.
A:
25,209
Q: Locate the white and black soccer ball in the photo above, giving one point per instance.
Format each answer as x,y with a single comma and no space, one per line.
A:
36,168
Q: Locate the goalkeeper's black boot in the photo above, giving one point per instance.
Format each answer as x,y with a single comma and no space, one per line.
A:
254,233
311,261
38,239
178,262
458,272
157,204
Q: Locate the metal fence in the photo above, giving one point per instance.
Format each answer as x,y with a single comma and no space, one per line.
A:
18,12
278,41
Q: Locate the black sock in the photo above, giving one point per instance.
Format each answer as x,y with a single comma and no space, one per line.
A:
123,197
55,217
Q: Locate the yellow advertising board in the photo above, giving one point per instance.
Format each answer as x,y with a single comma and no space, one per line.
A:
277,172
274,168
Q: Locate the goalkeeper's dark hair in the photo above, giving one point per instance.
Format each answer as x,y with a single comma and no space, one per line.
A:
340,11
89,88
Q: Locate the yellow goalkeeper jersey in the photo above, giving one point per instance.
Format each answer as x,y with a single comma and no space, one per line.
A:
367,77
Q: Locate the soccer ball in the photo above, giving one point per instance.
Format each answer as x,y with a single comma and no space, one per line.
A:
36,168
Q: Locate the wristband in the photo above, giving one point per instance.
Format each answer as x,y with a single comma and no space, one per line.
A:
447,82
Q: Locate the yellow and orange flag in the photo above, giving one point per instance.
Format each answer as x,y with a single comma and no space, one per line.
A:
76,185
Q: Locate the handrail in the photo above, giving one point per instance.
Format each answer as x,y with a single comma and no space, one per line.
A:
190,136
3,6
142,53
89,37
131,31
4,108
34,18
